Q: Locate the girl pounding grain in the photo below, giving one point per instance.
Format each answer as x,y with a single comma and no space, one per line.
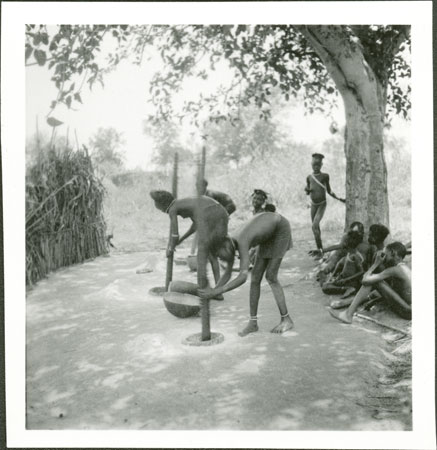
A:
272,233
210,220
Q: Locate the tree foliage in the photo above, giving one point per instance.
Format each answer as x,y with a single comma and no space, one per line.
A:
106,150
245,139
167,141
71,51
367,65
263,57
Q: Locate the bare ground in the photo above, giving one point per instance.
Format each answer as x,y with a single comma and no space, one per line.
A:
102,353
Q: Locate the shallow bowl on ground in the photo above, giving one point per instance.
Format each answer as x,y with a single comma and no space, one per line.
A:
180,261
183,287
181,305
157,290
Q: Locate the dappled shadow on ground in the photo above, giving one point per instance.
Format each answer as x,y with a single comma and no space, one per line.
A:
104,354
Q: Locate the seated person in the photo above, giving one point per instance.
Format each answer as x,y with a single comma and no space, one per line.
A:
271,232
375,241
377,235
346,278
220,197
208,217
339,251
374,297
393,284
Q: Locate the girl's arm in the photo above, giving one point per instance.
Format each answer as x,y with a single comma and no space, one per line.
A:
190,231
307,187
357,274
225,277
332,248
370,278
330,192
339,246
174,232
373,278
339,266
223,285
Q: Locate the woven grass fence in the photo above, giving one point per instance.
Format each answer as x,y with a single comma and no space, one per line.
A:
64,212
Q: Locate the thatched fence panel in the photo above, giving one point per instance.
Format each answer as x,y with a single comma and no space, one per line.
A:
64,212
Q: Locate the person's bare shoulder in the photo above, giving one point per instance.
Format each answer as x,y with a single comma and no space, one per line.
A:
395,272
405,269
184,204
181,203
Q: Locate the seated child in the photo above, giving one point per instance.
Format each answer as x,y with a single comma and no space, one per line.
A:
393,284
348,272
339,251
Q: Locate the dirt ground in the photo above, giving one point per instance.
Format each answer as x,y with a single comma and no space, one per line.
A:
102,353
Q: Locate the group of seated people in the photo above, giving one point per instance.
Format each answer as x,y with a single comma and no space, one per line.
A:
364,272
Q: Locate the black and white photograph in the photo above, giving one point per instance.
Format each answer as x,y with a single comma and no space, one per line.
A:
209,217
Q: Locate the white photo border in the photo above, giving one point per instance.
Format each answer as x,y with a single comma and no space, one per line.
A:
419,14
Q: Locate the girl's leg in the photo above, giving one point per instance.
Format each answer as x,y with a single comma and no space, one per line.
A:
319,212
313,215
396,302
202,259
272,277
361,297
194,244
255,291
331,289
215,267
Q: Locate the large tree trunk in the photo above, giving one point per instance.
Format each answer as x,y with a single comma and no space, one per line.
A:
366,172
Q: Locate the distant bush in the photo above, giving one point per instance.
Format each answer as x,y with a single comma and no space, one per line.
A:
130,211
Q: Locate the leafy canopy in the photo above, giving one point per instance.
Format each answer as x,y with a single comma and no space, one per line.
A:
263,57
166,139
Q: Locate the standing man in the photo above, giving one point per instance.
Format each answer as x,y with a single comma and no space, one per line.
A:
272,233
317,186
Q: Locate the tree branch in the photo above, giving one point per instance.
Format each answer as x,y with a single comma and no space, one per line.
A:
350,61
331,65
